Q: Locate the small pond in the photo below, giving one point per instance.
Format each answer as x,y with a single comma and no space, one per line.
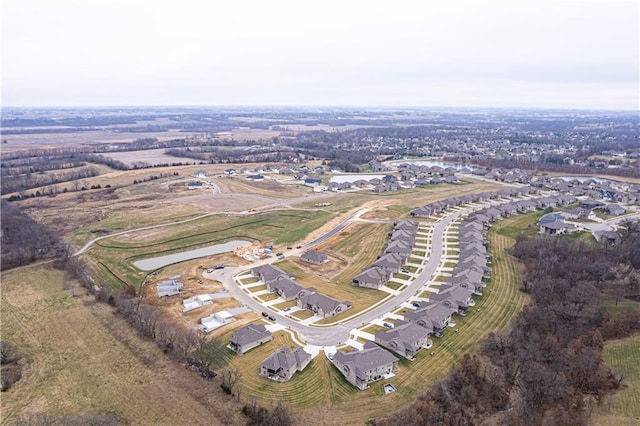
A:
161,261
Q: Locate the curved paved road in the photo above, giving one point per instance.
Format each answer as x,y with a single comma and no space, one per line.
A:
339,333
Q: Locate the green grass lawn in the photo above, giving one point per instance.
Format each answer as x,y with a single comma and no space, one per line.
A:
302,314
401,276
267,297
526,224
624,406
394,285
111,259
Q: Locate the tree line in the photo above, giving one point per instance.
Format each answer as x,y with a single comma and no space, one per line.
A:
23,239
548,369
194,349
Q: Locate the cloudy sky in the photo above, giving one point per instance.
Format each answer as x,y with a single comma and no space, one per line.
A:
495,53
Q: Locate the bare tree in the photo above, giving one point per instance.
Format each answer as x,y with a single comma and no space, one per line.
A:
8,352
231,381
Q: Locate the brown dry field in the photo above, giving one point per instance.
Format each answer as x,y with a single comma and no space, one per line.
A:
108,136
150,202
80,357
80,139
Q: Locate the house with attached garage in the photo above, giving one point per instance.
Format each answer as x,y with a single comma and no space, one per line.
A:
279,282
454,297
322,305
391,262
374,277
284,363
433,316
405,338
288,289
614,209
249,337
403,248
267,273
370,364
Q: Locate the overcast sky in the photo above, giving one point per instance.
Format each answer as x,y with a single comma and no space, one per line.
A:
558,54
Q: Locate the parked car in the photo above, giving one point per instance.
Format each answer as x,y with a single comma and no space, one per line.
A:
388,325
404,271
264,314
219,267
271,317
416,304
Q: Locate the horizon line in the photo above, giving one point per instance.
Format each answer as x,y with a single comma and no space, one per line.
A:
307,106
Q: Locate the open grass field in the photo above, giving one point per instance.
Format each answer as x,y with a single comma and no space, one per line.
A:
112,258
526,224
624,406
83,359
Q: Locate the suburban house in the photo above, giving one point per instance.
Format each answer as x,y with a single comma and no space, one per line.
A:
609,237
590,204
406,225
370,364
313,256
579,213
391,262
312,181
267,273
322,305
249,337
405,338
454,297
288,289
373,277
614,209
434,317
402,247
284,363
554,228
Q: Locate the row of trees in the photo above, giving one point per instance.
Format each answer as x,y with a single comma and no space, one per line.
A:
28,181
548,369
24,240
193,348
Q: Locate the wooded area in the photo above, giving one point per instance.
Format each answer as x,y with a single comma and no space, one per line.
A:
548,369
24,240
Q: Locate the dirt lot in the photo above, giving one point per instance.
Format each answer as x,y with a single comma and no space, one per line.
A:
190,274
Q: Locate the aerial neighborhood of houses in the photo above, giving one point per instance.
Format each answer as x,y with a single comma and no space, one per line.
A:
417,317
